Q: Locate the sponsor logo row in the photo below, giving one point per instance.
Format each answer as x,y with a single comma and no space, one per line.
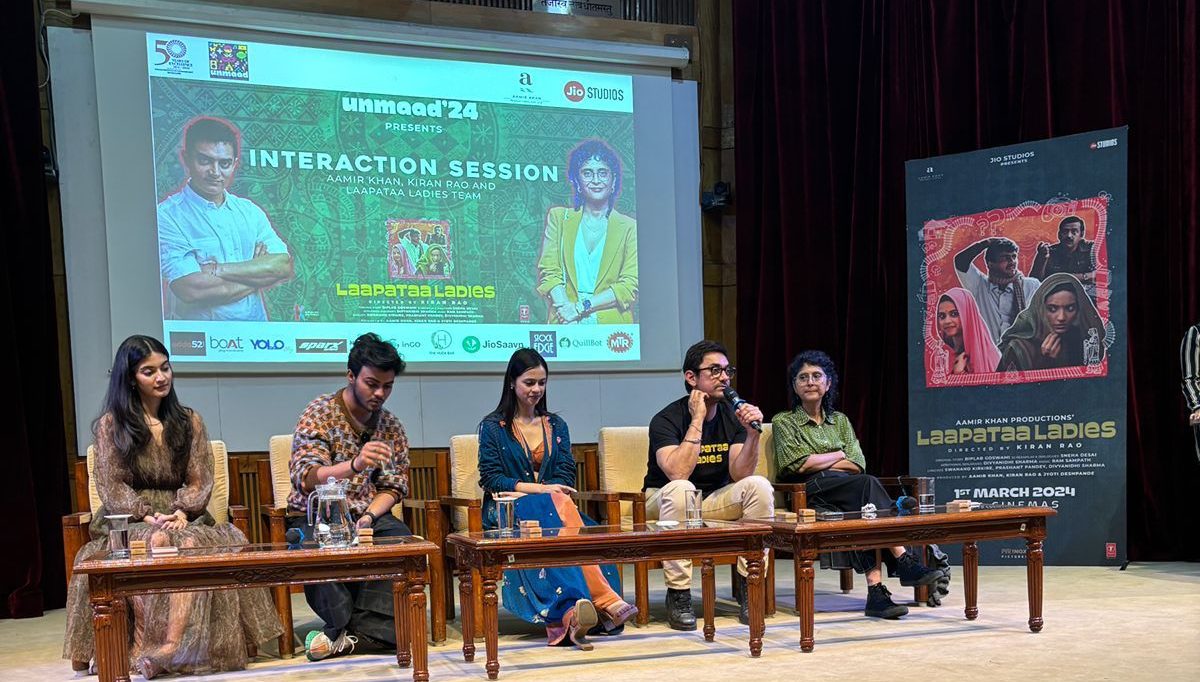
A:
548,343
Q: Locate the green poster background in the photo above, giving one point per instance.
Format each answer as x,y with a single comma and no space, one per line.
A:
340,238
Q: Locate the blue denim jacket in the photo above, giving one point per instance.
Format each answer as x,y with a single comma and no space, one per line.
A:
503,462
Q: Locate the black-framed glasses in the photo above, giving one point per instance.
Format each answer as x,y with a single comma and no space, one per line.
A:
715,371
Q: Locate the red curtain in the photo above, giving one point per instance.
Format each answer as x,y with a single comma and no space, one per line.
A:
833,96
34,484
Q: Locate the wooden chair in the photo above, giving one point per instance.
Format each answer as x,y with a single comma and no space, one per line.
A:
462,510
75,526
275,483
622,456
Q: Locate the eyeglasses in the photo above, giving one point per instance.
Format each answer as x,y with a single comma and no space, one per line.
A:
815,377
601,174
715,371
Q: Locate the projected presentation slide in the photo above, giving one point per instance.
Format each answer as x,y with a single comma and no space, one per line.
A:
460,209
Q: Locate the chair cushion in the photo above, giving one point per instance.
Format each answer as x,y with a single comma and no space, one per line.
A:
218,503
464,474
281,480
623,452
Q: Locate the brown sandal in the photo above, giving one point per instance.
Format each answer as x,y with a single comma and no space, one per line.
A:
578,620
615,616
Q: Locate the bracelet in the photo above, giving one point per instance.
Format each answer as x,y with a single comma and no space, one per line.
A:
372,515
352,468
692,440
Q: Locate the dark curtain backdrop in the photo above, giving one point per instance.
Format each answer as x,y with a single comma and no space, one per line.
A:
33,487
833,96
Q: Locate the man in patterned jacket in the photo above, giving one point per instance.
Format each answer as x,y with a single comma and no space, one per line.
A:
349,435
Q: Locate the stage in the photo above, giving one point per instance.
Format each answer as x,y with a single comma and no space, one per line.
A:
1101,624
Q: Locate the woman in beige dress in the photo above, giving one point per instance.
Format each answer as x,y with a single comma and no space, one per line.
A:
153,462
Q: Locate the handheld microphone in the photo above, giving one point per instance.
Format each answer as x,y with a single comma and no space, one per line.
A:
905,504
294,537
737,401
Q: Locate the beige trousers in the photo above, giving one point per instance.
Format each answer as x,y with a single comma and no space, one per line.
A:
748,499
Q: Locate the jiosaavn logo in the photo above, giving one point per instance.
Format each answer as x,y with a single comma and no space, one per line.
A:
573,91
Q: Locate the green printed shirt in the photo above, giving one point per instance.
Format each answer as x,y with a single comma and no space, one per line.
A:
797,436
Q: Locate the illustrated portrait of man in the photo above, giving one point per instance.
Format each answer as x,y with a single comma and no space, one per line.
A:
217,251
1072,254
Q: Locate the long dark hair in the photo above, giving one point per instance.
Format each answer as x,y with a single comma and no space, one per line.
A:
123,401
817,359
522,360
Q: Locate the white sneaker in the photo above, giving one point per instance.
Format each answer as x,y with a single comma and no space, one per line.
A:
318,647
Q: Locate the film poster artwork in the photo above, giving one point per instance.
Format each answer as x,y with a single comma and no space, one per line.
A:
419,249
1017,295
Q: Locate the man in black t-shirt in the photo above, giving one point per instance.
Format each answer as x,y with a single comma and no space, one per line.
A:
701,443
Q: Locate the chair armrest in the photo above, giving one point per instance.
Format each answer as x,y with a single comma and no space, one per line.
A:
460,501
276,522
636,498
798,492
239,516
596,496
75,536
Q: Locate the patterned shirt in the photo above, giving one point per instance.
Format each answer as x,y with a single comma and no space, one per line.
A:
327,435
797,436
193,230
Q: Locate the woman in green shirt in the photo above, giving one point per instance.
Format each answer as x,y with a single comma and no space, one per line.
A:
815,444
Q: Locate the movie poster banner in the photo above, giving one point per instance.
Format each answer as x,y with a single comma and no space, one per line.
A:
1016,325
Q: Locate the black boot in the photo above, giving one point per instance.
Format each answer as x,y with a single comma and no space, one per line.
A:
880,604
742,595
913,574
679,610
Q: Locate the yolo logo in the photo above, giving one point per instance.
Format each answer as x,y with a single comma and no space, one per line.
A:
545,343
573,91
226,344
267,344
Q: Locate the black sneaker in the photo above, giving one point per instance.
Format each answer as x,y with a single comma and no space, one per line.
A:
913,574
880,604
679,610
742,596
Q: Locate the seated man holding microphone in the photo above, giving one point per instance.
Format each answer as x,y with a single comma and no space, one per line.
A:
348,434
701,442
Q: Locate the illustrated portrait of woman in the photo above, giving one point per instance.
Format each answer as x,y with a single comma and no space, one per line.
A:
1059,328
587,271
964,335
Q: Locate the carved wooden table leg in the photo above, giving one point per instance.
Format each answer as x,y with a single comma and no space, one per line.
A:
404,633
708,591
804,596
641,592
971,579
466,597
108,616
756,589
1033,572
491,620
415,616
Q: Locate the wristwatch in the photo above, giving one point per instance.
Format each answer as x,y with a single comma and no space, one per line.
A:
587,305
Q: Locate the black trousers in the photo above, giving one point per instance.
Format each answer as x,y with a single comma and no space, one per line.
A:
363,608
832,490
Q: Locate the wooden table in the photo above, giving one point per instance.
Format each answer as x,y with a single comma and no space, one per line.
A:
490,553
400,559
806,540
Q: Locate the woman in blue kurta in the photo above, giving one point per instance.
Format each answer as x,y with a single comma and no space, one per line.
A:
525,450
